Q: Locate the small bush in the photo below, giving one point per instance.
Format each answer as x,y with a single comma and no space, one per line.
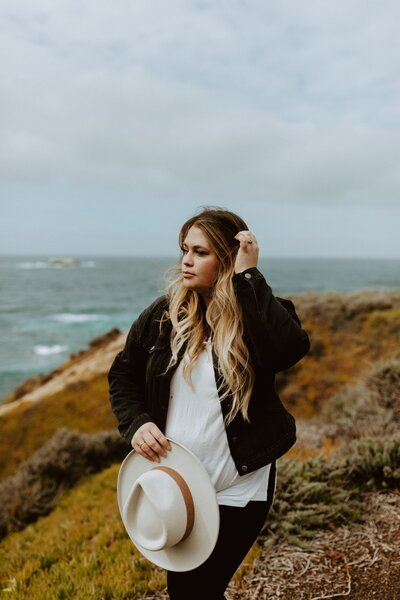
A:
384,383
368,407
321,493
36,487
371,462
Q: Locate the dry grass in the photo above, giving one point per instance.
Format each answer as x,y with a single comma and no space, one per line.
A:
320,493
347,388
349,333
368,407
354,561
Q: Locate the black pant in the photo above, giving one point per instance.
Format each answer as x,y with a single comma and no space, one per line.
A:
239,529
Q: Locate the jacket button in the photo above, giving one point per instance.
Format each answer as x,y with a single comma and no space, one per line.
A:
247,275
244,468
235,439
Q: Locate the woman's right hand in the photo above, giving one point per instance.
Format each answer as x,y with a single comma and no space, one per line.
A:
150,442
247,256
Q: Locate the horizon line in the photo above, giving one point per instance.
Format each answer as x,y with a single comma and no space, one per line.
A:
173,257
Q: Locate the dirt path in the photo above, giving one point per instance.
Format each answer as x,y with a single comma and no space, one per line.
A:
357,562
361,562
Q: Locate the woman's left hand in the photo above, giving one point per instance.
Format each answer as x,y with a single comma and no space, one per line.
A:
247,256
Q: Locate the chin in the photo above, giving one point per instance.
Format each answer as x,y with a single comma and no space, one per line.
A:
189,285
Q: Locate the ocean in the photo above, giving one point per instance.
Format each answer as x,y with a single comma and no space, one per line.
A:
48,312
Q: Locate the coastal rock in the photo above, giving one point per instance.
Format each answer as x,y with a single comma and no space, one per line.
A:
80,367
67,261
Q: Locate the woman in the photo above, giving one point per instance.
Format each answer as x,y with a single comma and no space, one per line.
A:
199,367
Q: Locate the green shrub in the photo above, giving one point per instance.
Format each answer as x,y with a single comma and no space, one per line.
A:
36,487
320,493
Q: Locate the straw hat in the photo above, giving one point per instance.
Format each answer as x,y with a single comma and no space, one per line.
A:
169,509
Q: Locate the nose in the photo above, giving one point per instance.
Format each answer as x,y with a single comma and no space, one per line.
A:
187,259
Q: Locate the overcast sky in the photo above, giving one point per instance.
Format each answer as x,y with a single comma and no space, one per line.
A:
119,118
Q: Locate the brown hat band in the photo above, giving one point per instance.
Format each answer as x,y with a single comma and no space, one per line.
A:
187,497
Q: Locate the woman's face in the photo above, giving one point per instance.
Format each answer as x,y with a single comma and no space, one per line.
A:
199,262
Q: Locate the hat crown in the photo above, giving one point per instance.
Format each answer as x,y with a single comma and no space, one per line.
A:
153,496
158,509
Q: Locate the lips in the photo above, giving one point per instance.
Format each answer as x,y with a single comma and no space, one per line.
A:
187,274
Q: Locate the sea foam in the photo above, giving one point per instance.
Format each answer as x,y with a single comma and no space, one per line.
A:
77,317
38,264
41,350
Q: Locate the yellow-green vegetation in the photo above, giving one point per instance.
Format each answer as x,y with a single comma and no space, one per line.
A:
84,407
348,334
344,347
80,551
348,385
36,487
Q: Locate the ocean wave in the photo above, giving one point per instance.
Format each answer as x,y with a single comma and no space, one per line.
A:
78,317
41,264
38,264
41,350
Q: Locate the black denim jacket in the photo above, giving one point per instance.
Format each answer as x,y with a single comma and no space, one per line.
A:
139,389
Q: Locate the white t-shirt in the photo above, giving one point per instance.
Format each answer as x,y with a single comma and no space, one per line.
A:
195,420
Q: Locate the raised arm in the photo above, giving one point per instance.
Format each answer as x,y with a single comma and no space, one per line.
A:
271,323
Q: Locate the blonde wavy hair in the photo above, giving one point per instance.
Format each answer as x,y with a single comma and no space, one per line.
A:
222,320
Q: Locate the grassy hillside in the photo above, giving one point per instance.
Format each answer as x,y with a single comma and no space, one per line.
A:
82,551
345,395
349,333
85,407
79,551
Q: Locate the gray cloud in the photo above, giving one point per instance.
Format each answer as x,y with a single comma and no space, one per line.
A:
272,102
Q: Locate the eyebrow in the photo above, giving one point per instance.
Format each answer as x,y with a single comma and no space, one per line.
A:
196,247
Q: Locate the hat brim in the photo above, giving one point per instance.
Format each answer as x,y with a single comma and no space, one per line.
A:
197,547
